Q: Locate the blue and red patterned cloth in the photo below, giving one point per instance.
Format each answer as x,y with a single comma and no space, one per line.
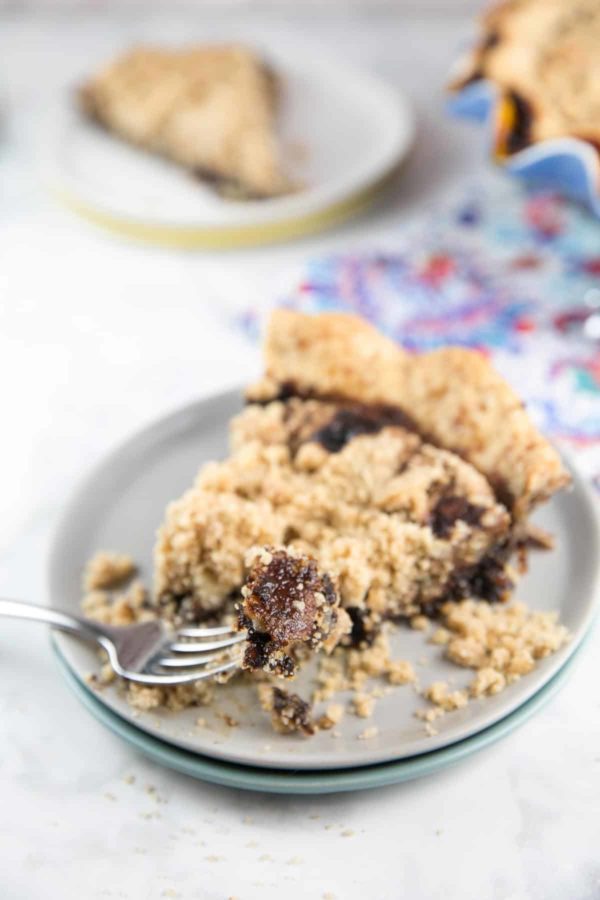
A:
511,273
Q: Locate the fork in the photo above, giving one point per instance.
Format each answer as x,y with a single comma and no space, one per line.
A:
148,653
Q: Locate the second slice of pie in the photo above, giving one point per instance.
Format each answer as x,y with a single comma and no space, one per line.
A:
210,109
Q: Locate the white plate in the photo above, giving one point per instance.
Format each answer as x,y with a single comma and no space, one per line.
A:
351,130
121,504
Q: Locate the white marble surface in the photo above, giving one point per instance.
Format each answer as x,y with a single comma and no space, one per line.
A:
97,337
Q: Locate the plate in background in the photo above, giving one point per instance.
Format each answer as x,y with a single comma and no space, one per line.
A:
122,503
343,130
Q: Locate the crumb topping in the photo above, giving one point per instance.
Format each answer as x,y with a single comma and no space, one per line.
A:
363,705
107,569
508,639
401,672
368,733
332,716
500,643
348,421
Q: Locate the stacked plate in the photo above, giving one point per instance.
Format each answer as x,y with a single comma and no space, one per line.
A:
119,507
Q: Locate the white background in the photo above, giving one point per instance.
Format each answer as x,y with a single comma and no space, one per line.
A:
98,337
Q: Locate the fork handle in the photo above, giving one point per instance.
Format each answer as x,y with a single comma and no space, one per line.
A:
15,609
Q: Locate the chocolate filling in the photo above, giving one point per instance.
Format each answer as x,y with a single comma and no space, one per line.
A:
225,186
279,587
519,135
280,609
364,630
449,510
485,580
491,40
352,418
296,710
260,648
356,419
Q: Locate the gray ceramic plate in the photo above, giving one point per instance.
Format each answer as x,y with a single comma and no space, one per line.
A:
122,502
276,781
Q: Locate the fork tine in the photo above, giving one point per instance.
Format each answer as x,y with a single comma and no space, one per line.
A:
201,674
205,632
199,646
184,662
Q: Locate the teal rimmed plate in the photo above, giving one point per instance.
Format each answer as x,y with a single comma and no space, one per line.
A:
275,781
121,503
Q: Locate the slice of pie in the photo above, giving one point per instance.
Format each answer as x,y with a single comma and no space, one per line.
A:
211,109
543,57
393,482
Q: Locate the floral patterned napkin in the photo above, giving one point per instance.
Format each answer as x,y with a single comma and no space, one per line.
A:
512,273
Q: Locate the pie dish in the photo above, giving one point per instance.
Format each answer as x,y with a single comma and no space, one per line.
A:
542,56
211,109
